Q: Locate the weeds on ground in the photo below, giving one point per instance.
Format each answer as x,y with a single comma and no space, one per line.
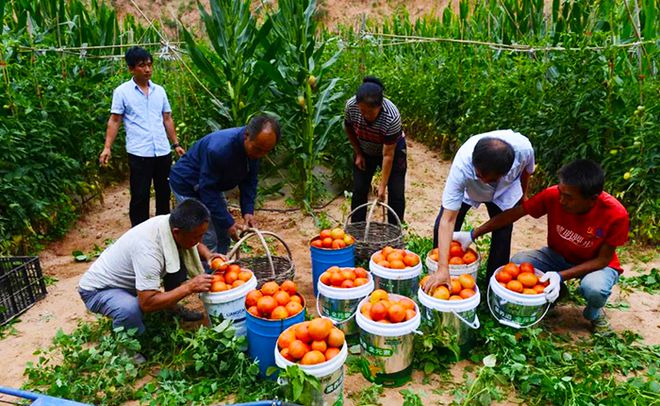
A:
369,396
649,282
411,398
8,329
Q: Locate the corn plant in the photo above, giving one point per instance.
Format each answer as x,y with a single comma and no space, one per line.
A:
580,78
238,43
304,94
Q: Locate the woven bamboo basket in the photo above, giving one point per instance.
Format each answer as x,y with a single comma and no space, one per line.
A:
267,267
370,236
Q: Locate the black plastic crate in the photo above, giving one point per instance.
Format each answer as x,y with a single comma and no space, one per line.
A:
21,285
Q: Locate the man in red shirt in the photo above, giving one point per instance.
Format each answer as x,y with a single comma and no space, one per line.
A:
585,225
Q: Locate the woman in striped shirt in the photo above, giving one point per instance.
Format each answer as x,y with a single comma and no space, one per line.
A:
373,125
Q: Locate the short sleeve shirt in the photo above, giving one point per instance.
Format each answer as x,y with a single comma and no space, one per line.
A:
579,237
135,261
143,118
464,186
385,130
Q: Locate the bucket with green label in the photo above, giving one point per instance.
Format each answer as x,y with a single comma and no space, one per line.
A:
515,309
330,374
387,349
399,281
341,304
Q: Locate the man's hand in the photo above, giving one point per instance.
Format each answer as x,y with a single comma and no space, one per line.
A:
234,230
464,238
250,221
105,156
552,290
200,283
359,161
436,279
214,255
382,193
179,151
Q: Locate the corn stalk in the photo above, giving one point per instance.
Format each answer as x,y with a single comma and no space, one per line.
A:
238,43
304,93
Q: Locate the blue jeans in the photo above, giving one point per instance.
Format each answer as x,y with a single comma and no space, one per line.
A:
215,240
595,286
120,305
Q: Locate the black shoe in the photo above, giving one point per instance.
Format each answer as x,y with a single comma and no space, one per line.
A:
139,358
185,314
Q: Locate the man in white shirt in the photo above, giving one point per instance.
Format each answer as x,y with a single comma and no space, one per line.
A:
144,109
491,168
124,282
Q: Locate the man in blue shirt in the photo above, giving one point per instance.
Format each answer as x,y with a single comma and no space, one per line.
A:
219,162
147,116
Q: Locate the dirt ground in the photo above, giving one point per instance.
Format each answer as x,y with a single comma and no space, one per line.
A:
62,308
331,12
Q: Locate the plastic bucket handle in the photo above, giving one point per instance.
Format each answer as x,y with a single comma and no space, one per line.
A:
250,232
371,210
474,325
513,323
334,322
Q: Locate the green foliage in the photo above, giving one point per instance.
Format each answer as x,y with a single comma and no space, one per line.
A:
95,365
649,282
237,43
306,97
90,365
369,396
603,100
198,365
411,398
59,66
298,386
418,244
543,366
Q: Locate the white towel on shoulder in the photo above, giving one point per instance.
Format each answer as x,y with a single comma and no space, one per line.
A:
189,257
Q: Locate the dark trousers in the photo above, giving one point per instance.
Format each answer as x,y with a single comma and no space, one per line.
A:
143,171
500,243
396,185
172,281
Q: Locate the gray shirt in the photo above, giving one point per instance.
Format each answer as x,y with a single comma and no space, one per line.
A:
135,261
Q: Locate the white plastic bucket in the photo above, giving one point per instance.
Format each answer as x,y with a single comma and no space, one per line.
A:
456,307
387,348
329,373
230,304
341,304
515,309
398,281
456,270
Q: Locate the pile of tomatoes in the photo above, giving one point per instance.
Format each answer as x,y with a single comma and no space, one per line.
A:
332,239
456,254
344,277
228,276
311,342
461,288
395,258
274,302
520,279
382,308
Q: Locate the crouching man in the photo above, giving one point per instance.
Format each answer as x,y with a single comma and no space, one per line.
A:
125,281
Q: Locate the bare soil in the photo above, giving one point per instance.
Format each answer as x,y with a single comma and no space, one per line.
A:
63,309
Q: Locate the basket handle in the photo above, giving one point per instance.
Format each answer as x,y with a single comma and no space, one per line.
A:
373,204
250,232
